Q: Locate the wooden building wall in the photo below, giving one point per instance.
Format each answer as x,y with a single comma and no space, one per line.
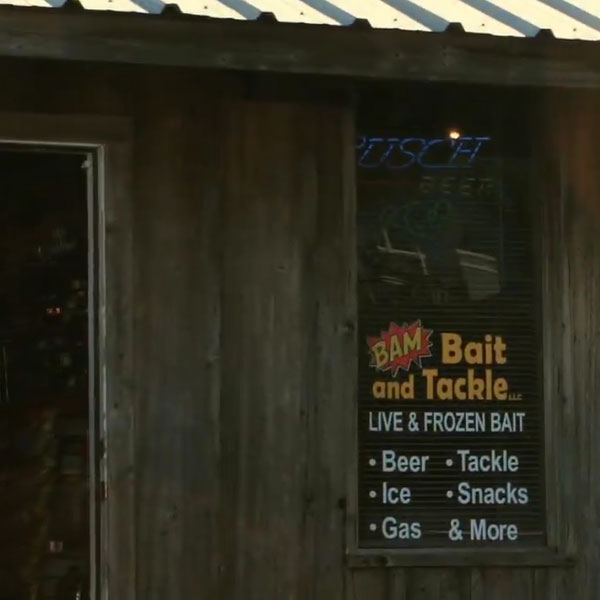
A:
232,261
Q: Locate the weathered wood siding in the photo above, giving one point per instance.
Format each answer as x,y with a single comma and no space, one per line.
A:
570,195
237,315
241,310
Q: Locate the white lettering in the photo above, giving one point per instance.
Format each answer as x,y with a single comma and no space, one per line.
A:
385,421
494,462
454,422
481,530
507,422
394,495
399,462
506,494
394,529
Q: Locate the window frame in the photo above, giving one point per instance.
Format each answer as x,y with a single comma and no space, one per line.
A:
558,550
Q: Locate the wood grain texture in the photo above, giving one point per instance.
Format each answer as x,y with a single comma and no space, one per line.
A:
397,584
284,306
231,346
265,355
501,584
177,329
571,296
163,308
201,453
544,557
334,328
445,584
118,571
369,584
553,584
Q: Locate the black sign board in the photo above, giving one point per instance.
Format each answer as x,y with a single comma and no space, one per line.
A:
450,412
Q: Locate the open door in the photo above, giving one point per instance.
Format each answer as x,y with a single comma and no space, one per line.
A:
48,414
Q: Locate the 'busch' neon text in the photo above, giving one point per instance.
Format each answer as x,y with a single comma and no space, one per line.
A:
436,153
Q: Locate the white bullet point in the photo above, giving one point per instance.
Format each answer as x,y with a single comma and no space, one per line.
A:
372,527
449,493
372,493
449,462
372,462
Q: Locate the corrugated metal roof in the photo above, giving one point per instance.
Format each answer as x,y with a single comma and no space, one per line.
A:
568,19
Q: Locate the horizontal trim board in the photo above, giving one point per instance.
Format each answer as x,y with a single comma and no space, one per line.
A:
72,129
301,49
532,557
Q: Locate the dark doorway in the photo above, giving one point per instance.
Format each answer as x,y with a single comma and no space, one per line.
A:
45,433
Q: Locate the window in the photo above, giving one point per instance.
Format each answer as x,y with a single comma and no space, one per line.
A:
450,415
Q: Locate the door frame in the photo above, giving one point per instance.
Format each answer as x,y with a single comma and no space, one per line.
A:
110,293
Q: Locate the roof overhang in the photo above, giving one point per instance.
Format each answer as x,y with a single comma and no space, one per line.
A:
354,51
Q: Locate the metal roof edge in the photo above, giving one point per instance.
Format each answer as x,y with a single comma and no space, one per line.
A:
196,41
172,11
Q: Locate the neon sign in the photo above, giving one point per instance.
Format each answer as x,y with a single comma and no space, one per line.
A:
433,153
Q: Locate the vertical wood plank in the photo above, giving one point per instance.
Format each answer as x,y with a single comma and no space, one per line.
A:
176,352
116,375
159,321
288,230
477,584
572,293
199,569
265,348
502,584
397,584
547,181
369,584
442,583
552,584
335,351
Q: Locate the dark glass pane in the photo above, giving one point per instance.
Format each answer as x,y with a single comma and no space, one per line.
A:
446,258
44,501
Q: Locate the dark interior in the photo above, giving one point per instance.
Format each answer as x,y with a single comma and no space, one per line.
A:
44,491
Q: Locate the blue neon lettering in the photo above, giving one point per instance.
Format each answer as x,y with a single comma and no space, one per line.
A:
401,144
371,145
422,156
401,153
472,152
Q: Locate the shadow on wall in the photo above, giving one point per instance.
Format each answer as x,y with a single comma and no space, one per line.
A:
572,120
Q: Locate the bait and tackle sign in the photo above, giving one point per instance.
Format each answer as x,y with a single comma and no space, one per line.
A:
450,414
